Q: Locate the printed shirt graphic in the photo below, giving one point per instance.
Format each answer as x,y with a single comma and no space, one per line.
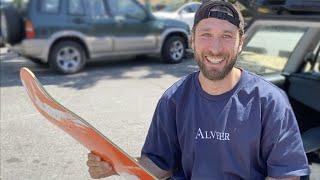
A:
249,132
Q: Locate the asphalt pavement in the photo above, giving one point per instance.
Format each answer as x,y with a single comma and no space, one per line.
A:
117,97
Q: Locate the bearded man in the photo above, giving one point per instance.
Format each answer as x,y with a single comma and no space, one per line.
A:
221,122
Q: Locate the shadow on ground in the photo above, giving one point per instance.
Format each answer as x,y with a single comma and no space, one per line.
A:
10,65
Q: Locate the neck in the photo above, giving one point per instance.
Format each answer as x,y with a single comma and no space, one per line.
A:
217,87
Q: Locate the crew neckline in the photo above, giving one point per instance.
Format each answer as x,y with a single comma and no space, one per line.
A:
219,97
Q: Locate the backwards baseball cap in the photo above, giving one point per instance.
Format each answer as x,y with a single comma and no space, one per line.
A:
220,10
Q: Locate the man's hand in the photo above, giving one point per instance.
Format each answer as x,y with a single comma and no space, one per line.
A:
98,168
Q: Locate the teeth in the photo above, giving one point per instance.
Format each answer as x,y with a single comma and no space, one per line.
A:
213,60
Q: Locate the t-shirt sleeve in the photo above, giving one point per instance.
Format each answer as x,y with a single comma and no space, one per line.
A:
161,144
282,147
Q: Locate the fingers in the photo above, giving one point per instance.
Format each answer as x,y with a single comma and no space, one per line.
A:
93,157
98,172
101,164
98,168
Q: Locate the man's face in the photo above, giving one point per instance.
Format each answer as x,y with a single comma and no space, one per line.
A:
216,44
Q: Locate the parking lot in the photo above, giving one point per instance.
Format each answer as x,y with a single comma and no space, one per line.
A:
117,97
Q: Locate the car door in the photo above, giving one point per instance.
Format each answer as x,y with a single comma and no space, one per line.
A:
133,29
77,19
270,46
101,31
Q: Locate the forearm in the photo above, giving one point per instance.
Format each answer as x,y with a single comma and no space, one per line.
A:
153,168
288,178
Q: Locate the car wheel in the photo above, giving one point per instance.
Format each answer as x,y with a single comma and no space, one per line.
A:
67,57
174,49
11,25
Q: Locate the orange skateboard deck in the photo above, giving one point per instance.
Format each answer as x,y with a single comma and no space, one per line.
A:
81,130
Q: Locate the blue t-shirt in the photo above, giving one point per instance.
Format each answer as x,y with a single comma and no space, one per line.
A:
249,132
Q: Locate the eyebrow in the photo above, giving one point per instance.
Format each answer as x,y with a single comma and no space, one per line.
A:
225,31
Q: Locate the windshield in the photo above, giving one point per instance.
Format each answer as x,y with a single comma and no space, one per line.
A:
270,48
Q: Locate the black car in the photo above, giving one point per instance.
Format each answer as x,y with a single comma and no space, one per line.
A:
310,7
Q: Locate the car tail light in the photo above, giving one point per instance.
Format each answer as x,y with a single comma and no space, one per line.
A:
30,33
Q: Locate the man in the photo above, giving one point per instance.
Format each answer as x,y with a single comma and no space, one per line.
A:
222,122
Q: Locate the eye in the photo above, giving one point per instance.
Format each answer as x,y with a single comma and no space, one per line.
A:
206,35
228,36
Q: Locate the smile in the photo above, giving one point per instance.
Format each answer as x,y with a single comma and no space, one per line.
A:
213,60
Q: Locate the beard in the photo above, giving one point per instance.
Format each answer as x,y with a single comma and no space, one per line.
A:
215,74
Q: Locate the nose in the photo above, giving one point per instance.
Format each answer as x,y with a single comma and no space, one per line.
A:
216,46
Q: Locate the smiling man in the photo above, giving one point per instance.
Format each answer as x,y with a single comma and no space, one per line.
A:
221,122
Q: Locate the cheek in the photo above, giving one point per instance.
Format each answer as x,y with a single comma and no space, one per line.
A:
231,47
200,44
236,49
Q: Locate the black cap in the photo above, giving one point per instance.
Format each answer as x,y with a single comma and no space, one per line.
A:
220,10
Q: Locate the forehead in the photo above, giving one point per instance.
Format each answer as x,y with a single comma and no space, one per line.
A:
214,24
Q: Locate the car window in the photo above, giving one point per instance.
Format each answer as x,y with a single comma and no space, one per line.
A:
317,65
316,55
127,8
188,9
50,6
270,48
76,7
97,8
191,8
194,7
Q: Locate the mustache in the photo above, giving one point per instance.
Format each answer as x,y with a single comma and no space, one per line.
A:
218,56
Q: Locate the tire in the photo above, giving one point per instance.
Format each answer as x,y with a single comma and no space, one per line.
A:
67,57
174,49
12,27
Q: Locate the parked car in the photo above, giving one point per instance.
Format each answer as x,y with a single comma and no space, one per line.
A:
311,7
184,13
284,49
302,6
66,34
3,4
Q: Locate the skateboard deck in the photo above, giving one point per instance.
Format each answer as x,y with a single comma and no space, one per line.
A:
81,130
